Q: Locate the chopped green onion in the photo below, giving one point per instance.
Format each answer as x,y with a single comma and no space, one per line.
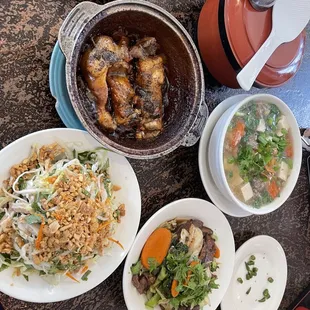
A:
240,280
252,257
262,140
248,291
262,300
85,275
266,293
270,280
250,263
26,277
85,192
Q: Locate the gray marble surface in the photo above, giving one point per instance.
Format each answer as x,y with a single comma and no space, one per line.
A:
28,32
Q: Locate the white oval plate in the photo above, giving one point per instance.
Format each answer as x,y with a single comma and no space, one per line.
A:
185,208
122,174
222,202
271,262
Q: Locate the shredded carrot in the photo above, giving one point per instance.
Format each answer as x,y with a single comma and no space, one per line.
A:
117,242
116,188
237,133
108,201
69,275
174,285
156,246
57,216
273,189
85,268
51,180
40,236
217,253
192,264
18,272
104,224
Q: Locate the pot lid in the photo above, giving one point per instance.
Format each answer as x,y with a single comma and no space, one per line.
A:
247,29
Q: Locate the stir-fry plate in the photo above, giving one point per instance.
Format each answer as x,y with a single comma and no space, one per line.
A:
189,208
265,290
122,174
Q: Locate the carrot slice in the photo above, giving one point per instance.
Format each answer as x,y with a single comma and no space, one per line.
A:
237,133
40,236
117,242
69,275
217,253
156,246
273,189
289,151
174,285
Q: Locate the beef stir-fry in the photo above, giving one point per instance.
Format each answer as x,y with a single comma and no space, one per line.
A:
131,77
177,266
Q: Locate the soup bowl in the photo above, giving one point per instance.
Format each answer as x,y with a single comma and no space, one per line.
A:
216,152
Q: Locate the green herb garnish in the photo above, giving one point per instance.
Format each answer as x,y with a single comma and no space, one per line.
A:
240,280
270,280
153,264
248,291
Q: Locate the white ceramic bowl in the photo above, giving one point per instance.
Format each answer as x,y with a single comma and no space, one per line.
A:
185,208
122,174
216,147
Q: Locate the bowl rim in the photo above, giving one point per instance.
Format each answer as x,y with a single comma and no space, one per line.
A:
297,158
71,81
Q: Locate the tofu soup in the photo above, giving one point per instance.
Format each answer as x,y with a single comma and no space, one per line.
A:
258,153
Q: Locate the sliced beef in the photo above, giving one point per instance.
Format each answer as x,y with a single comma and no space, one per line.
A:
197,223
140,283
208,249
186,225
150,279
207,230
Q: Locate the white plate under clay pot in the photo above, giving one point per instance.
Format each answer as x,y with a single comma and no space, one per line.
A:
224,204
270,262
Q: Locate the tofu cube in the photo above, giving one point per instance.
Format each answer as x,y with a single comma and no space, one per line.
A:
282,173
246,191
282,124
261,126
236,179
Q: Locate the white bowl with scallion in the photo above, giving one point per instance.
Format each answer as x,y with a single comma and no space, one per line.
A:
255,153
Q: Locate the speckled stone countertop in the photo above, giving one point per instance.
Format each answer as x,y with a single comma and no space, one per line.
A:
28,32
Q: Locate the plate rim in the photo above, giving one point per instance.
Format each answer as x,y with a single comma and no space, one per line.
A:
28,298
